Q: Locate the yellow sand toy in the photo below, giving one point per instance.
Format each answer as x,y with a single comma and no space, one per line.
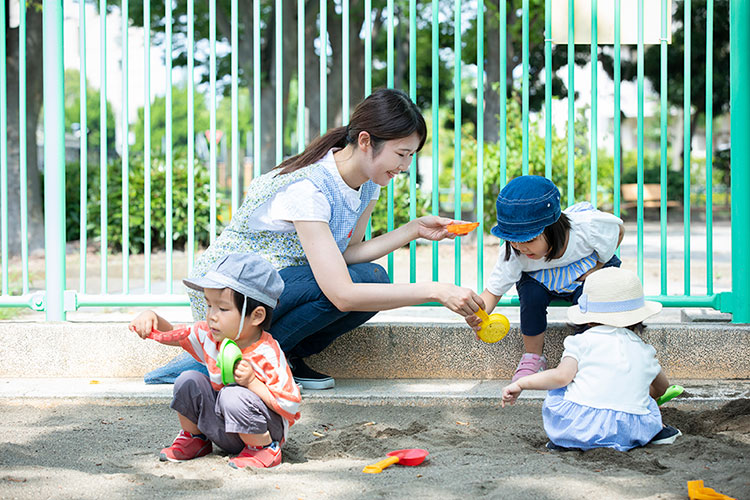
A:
494,326
696,491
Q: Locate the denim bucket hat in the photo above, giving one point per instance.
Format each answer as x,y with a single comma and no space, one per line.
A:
245,273
525,206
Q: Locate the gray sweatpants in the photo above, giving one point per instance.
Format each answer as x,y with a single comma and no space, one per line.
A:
222,415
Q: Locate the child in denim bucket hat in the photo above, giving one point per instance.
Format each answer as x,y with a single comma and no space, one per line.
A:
602,394
251,417
548,255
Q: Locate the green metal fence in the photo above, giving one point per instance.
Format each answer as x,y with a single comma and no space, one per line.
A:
271,21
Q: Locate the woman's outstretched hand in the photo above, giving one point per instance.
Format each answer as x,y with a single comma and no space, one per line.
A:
460,300
432,227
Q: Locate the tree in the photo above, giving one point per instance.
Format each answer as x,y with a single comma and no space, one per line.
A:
35,233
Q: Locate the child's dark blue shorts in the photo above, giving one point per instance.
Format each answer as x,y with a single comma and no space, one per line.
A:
535,299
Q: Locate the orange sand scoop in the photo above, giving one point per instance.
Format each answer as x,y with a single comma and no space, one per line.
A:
462,229
413,456
696,491
494,327
170,336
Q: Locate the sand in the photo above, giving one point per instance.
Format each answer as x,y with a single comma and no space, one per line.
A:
83,448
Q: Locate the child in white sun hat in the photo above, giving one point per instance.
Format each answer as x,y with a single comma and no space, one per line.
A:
602,394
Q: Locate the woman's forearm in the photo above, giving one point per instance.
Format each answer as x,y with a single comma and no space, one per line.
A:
367,251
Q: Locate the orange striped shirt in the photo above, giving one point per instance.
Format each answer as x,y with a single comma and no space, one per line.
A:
265,356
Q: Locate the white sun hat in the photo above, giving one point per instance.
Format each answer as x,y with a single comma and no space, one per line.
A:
612,296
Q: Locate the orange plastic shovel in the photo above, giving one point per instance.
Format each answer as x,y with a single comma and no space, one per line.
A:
462,229
413,456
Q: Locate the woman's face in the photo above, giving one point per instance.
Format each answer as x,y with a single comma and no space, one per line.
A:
393,158
533,249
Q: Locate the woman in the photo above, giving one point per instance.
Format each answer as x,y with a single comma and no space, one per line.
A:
308,218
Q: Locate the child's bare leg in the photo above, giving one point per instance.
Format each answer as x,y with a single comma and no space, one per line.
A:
534,344
188,425
256,439
659,386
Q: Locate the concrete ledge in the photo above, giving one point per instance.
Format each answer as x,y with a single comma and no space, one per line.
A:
373,351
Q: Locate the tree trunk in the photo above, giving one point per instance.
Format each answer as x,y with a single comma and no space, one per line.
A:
492,68
35,233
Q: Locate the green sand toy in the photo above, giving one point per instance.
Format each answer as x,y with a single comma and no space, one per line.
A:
672,392
229,355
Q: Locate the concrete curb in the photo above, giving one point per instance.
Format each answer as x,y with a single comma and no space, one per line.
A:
362,391
372,351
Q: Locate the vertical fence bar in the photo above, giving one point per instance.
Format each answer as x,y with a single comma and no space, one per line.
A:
663,143
435,131
739,39
639,209
686,148
390,79
22,159
212,114
617,112
323,66
168,134
457,132
686,145
147,146
279,50
54,150
525,89
237,190
4,152
368,75
548,89
125,155
709,146
301,77
594,100
571,102
503,92
103,142
256,88
83,140
191,131
480,145
413,167
345,61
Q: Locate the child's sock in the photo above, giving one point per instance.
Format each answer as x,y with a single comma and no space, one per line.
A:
199,436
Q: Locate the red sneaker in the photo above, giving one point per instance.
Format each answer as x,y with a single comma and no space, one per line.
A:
186,447
270,456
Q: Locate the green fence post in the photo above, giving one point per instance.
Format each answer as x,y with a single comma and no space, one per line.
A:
739,37
54,159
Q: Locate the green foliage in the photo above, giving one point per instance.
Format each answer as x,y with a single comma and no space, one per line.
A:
136,204
93,111
514,162
651,172
400,206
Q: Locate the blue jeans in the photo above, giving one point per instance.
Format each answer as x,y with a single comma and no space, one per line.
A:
304,323
535,298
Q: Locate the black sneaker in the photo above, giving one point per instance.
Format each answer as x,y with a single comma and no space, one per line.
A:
666,435
307,377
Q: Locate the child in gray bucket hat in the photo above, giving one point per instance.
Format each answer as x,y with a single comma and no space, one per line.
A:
251,417
549,252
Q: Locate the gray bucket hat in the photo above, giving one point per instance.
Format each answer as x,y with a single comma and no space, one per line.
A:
245,273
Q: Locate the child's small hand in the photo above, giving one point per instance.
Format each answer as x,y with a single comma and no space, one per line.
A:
474,322
511,393
144,324
244,373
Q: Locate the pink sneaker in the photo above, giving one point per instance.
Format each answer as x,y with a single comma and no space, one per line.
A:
186,447
530,364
